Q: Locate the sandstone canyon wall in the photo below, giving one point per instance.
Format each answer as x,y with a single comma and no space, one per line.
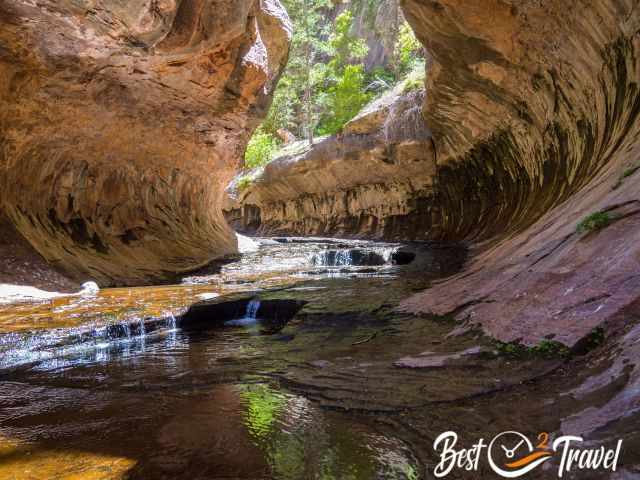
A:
121,123
361,182
531,124
527,102
534,112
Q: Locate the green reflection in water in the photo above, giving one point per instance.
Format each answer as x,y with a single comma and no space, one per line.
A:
301,442
410,472
263,406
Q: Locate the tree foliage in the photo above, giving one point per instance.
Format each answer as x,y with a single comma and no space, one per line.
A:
408,49
324,84
260,149
344,78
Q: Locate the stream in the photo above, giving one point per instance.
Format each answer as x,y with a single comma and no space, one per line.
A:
289,363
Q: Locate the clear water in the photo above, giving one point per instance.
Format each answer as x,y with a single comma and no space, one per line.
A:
119,386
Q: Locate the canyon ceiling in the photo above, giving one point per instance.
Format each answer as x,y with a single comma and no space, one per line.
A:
122,122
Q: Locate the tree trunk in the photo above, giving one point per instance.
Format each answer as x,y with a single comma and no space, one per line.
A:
308,89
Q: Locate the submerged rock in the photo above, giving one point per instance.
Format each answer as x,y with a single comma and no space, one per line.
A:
529,124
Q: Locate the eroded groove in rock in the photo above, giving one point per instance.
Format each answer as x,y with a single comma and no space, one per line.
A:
524,106
121,123
530,125
373,180
534,132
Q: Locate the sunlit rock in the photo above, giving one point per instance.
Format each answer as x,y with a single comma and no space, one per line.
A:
121,124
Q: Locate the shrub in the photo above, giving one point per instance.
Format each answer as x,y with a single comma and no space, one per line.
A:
415,79
282,111
260,149
407,48
595,221
344,100
593,340
627,173
545,349
379,80
243,183
550,349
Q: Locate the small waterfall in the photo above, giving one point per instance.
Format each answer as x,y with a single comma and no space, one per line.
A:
171,338
250,315
59,347
333,258
172,323
387,253
343,258
252,309
142,337
352,257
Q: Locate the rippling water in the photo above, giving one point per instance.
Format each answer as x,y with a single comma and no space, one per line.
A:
290,363
119,385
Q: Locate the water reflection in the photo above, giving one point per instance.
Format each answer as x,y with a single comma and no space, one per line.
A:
114,386
263,405
300,441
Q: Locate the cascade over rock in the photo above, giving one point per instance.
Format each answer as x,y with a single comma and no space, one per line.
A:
530,124
121,123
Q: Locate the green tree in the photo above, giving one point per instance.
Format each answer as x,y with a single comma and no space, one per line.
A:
344,77
295,101
408,49
344,100
324,84
260,149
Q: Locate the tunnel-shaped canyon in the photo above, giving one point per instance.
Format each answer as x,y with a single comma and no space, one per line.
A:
462,254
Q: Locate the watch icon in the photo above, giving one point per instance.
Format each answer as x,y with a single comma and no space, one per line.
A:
511,454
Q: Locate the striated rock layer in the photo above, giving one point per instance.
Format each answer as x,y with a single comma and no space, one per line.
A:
532,114
361,182
121,123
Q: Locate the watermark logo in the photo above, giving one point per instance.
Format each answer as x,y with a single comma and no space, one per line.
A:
511,454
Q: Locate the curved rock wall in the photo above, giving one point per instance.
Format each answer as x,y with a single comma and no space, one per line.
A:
121,123
527,101
533,113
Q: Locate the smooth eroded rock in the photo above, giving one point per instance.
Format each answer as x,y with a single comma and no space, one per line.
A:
369,181
121,123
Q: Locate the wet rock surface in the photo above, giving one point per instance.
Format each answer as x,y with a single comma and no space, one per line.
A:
344,374
110,113
529,126
560,145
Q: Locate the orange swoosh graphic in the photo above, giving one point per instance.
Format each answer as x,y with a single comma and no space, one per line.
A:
528,459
